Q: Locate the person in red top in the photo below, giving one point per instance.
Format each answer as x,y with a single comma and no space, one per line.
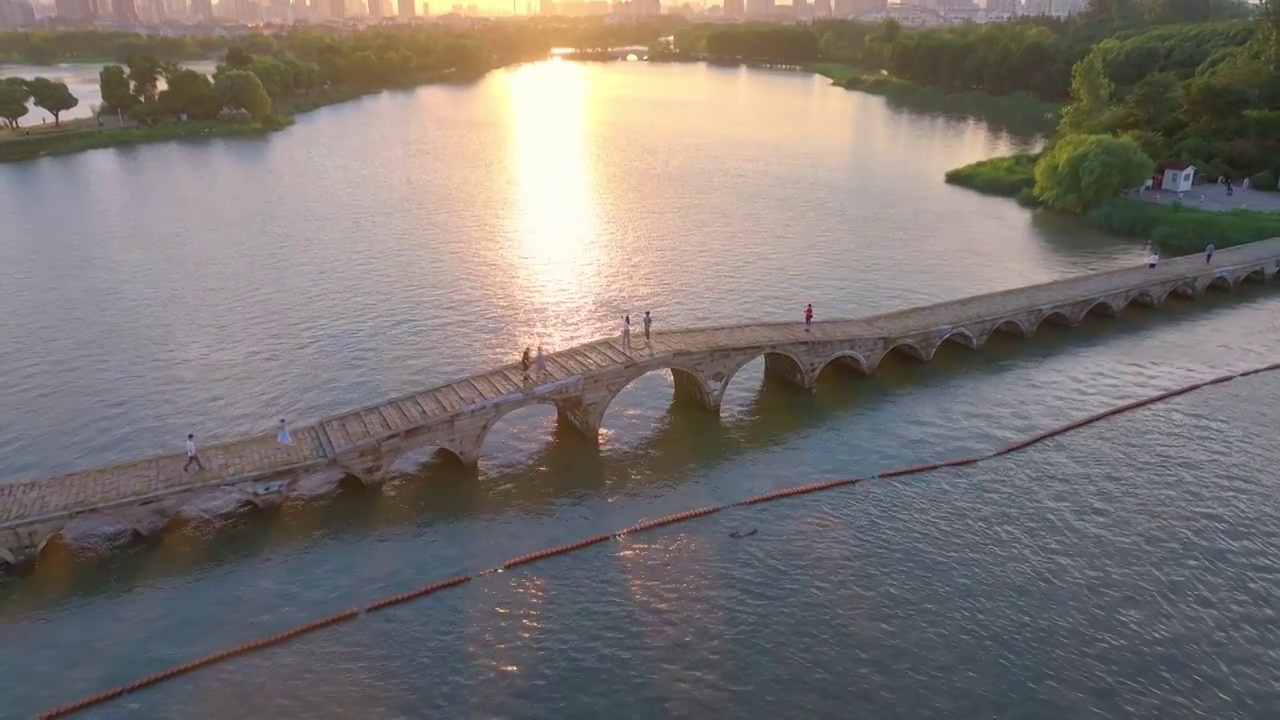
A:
808,316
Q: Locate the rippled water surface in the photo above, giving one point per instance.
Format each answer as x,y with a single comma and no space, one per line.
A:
1126,570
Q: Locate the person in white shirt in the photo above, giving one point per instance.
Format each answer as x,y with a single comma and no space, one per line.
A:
192,457
284,433
626,330
1153,260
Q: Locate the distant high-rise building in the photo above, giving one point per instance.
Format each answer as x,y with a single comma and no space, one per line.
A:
822,8
375,8
8,14
152,12
800,8
75,9
759,8
126,11
735,8
202,11
337,9
472,11
407,9
853,8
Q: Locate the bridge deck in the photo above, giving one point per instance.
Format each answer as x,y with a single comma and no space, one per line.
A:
245,459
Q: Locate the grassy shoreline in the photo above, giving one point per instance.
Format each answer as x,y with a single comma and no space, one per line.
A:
67,143
1175,229
1008,176
1027,109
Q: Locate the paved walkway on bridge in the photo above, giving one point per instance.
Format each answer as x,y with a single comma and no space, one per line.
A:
314,445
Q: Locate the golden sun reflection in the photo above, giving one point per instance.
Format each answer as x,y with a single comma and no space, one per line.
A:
554,225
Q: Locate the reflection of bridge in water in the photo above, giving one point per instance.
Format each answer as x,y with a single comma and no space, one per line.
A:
581,382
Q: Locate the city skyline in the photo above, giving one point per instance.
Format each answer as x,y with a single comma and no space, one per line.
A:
18,13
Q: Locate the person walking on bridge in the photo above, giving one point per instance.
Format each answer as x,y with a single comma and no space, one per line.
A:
192,457
525,362
626,331
1153,260
808,316
648,322
1208,254
283,436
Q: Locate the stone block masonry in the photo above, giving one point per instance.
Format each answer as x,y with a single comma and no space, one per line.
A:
581,382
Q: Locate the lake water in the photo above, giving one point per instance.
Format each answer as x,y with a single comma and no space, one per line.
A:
380,246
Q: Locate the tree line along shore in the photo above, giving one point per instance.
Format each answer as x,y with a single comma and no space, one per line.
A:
1120,90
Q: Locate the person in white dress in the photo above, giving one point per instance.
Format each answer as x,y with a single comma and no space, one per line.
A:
539,363
284,433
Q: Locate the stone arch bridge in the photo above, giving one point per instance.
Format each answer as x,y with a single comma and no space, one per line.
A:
581,382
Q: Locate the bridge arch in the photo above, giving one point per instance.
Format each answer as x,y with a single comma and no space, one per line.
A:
911,349
1057,317
1220,282
961,336
785,365
689,384
1105,307
421,455
1149,298
1255,275
848,359
564,414
1012,327
422,440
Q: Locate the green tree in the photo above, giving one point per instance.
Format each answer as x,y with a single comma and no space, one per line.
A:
1215,105
52,96
1154,103
1091,94
237,58
191,93
144,73
40,52
114,84
1082,171
13,100
1269,32
242,90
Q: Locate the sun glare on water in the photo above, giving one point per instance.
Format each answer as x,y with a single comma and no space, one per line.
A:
555,223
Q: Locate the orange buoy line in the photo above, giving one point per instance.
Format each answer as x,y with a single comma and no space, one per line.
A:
527,558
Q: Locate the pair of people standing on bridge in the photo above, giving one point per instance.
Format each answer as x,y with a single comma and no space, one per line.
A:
626,328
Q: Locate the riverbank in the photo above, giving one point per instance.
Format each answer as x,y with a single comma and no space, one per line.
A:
83,134
1175,229
1017,107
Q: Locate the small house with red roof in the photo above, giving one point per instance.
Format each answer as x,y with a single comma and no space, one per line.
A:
1178,176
